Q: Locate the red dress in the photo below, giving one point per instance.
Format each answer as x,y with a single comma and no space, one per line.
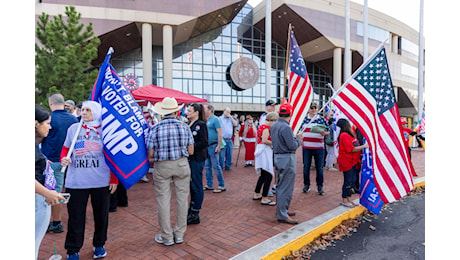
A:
249,143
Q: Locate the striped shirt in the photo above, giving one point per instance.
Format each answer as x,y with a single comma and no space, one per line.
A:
313,140
169,139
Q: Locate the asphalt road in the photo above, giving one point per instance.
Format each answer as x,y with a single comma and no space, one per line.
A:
399,234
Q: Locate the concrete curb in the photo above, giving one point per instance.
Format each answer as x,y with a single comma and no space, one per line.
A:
304,233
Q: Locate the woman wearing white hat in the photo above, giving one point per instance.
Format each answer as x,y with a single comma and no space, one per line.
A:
87,174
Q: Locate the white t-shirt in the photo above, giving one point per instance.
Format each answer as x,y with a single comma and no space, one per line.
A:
88,168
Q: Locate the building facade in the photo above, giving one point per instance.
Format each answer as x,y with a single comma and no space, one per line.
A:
191,45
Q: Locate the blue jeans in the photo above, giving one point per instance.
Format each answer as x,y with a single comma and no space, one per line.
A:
348,181
213,162
196,184
226,154
42,219
318,154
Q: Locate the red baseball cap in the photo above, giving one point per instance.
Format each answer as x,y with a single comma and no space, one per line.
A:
403,120
285,109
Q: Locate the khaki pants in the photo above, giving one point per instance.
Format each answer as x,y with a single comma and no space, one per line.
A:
177,172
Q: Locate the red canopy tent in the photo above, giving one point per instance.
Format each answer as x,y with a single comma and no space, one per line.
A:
154,94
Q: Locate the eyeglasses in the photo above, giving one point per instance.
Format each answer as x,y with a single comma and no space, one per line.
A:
313,107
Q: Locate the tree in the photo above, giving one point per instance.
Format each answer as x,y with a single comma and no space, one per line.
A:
63,57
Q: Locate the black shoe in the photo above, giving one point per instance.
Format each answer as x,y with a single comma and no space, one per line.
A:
320,191
193,218
306,189
55,229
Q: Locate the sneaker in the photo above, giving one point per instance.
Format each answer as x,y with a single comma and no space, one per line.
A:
193,218
320,191
55,229
74,256
99,252
219,189
206,187
145,179
179,240
306,189
159,239
332,169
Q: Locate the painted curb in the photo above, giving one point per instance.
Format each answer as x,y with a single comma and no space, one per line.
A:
304,233
325,228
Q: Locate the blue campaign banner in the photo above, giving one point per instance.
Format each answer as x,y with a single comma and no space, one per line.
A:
369,196
124,128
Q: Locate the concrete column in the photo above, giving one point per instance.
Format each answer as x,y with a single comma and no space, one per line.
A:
147,53
394,43
337,68
167,55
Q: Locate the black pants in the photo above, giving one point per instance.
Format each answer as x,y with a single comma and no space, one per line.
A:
118,198
265,179
76,208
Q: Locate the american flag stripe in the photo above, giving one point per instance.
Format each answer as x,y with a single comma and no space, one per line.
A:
299,99
368,101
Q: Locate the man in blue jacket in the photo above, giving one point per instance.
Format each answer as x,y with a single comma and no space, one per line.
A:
51,148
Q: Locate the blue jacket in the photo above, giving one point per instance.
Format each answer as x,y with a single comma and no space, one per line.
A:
52,144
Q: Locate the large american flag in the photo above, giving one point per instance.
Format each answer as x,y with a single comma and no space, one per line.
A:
300,90
368,100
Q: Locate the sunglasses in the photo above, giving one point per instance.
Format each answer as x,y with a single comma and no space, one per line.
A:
313,107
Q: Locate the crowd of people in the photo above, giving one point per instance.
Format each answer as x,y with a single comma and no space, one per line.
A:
179,153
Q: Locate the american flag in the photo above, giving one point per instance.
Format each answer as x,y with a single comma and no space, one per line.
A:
300,90
84,147
369,102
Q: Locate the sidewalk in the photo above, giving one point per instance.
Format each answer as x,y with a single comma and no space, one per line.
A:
231,222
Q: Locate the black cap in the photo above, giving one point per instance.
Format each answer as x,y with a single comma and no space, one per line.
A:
270,103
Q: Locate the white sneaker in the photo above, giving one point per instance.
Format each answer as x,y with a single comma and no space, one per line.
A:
145,179
159,239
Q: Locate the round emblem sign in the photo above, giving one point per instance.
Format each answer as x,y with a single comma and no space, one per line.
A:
244,73
131,81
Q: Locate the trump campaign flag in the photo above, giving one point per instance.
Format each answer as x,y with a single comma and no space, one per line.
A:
369,196
368,100
124,127
300,90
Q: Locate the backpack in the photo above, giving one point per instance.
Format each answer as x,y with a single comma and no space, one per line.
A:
329,139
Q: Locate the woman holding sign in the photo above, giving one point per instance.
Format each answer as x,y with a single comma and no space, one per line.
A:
87,174
348,160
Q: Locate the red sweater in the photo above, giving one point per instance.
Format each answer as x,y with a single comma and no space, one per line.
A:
346,158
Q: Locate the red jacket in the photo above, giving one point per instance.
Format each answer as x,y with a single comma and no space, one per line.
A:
346,158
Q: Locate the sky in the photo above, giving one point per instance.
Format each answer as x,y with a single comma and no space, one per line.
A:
406,11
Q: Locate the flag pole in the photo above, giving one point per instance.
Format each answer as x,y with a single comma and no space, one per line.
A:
74,139
287,63
72,145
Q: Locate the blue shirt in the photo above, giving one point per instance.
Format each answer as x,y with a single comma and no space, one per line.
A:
213,124
227,126
61,120
169,139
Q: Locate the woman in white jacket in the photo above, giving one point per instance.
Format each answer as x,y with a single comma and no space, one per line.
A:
264,160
